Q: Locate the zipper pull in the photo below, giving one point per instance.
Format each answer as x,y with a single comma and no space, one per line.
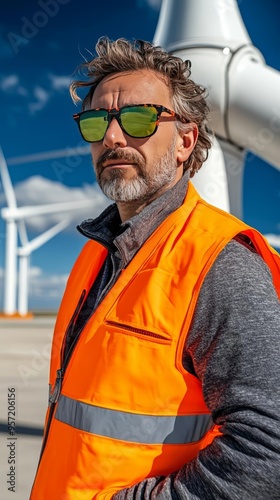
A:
57,387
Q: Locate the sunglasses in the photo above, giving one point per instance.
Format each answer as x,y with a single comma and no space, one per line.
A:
136,120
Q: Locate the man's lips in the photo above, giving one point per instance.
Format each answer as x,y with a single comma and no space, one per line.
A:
117,163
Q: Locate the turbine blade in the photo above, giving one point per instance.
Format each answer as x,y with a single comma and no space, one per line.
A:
7,183
50,155
33,210
38,241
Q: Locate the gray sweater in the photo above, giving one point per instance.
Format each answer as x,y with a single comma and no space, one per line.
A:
233,347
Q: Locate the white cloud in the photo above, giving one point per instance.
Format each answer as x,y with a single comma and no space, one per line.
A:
44,290
38,96
42,97
35,99
34,272
11,84
60,82
273,239
43,286
38,190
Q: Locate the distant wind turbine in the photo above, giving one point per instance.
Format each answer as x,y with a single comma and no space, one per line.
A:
15,218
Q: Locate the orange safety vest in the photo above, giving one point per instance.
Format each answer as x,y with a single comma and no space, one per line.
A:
127,409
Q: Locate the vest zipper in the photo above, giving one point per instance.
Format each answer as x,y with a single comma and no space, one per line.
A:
64,362
57,387
60,373
137,330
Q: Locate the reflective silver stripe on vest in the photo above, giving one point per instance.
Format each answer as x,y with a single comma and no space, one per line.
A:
132,427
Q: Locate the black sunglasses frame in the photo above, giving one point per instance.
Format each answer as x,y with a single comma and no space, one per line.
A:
116,113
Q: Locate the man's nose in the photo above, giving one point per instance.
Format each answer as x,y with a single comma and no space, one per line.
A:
114,136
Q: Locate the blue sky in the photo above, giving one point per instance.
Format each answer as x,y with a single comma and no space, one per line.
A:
39,50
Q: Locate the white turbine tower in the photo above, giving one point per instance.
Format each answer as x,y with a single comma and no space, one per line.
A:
243,91
24,252
11,242
15,218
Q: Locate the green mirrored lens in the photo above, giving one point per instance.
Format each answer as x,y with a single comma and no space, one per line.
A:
139,121
93,124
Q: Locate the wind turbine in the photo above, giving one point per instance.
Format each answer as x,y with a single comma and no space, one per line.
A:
15,218
24,252
244,116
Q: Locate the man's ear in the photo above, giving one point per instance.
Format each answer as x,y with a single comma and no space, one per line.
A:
187,142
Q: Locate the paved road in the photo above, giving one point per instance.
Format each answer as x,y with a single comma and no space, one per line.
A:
24,366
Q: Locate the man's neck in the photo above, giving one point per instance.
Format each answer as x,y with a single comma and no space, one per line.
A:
128,209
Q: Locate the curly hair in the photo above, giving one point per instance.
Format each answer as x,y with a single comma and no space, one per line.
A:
188,98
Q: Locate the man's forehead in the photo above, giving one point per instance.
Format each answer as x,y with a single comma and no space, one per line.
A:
130,84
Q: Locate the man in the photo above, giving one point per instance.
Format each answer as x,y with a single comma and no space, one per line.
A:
165,361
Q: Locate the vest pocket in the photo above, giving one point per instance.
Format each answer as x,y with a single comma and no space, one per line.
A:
139,332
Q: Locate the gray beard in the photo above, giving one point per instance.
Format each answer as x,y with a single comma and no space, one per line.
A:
145,185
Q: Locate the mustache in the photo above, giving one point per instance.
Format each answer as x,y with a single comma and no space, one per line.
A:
119,154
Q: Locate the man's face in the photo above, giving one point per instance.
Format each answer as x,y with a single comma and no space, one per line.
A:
129,169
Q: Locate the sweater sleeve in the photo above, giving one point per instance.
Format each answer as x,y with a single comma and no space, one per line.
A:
233,347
